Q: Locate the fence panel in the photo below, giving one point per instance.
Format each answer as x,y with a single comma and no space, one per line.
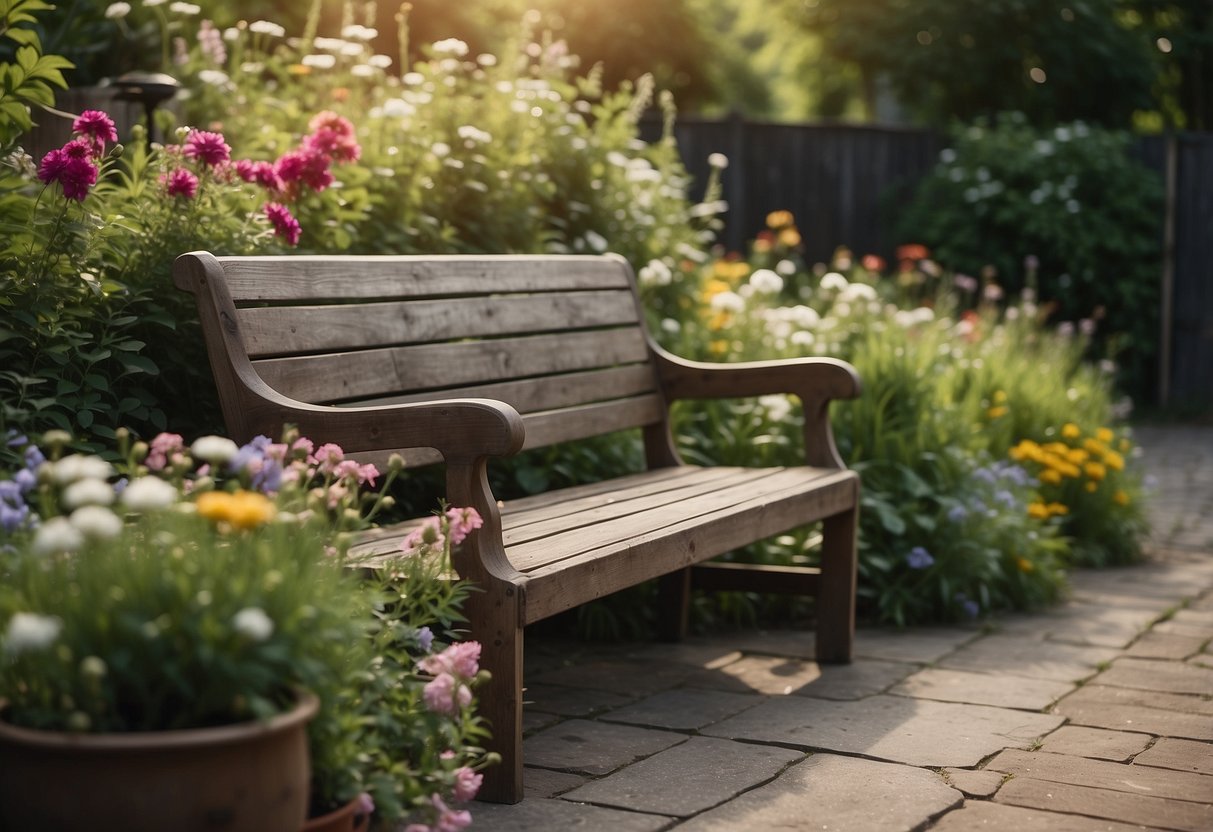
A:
1192,310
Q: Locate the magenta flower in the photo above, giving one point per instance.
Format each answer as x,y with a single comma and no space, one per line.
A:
463,522
52,166
262,173
467,784
95,128
207,148
304,165
285,224
180,183
72,167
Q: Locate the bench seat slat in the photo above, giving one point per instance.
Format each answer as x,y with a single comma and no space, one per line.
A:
339,277
286,330
348,376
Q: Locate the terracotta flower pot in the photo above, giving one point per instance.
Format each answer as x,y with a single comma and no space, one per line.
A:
250,777
349,818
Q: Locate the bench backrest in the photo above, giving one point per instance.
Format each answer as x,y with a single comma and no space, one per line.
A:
561,338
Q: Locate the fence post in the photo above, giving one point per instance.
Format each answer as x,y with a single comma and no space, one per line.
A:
737,197
1167,310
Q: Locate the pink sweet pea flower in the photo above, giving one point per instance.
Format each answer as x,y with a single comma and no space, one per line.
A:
467,784
206,148
463,522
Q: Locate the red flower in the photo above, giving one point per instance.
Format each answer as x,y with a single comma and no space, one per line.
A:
912,251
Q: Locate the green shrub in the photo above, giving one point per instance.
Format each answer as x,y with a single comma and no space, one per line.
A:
1066,211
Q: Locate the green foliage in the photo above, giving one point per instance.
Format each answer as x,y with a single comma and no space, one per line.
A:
28,77
1073,207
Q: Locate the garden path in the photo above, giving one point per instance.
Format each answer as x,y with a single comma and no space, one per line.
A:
1096,714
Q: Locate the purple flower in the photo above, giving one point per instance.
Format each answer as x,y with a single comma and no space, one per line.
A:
1006,498
425,638
957,514
970,607
13,510
919,558
34,457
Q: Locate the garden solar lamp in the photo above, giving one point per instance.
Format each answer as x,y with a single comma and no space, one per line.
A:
148,88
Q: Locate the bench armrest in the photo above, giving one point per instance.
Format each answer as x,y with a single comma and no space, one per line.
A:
815,381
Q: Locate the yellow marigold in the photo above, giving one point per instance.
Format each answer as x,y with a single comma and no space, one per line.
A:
1071,431
1059,448
1038,510
789,237
1095,470
1092,487
1095,446
1078,456
1025,565
714,287
1058,508
1114,460
1070,470
1120,498
1104,435
1051,475
1026,449
719,347
1000,397
996,412
779,219
739,271
243,509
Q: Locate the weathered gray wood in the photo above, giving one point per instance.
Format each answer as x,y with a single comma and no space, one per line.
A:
286,330
436,357
346,376
343,277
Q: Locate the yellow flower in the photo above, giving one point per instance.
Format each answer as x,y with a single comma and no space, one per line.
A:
996,412
1070,430
1025,565
1124,445
1038,510
715,287
1092,487
1095,470
779,219
719,347
1058,508
1051,476
1104,435
1078,456
1120,498
243,509
720,320
1000,397
1057,448
1095,446
1114,460
789,237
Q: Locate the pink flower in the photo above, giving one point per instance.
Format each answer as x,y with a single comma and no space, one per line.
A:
304,444
181,183
72,167
461,659
304,165
262,173
417,827
207,148
463,522
166,448
427,535
285,224
450,820
367,474
336,493
440,694
328,120
327,457
467,784
97,128
366,803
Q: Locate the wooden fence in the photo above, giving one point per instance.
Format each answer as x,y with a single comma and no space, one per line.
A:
843,184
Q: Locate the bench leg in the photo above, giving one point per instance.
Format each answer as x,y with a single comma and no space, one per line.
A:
674,605
836,596
494,621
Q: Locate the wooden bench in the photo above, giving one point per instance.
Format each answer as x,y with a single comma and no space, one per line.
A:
463,359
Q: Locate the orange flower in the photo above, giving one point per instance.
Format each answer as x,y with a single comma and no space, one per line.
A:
779,219
873,263
789,237
913,251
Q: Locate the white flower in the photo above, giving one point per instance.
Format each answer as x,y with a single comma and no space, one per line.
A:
671,326
265,27
363,71
114,11
412,78
785,268
379,61
253,624
440,149
319,61
486,59
834,281
80,467
727,302
947,155
467,132
213,77
718,161
89,492
213,449
450,46
778,407
803,338
857,291
356,32
30,631
185,8
329,44
152,3
149,494
57,535
97,522
595,241
398,108
656,273
766,281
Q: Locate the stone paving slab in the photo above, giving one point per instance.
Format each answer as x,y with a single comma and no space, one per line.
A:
564,701
797,644
1004,653
1077,623
772,675
1179,628
591,747
688,778
1163,677
1118,746
697,652
535,721
1103,774
1180,755
1000,817
973,783
835,793
923,645
1159,645
683,709
863,677
544,815
543,782
1000,691
917,732
1121,709
1180,815
632,679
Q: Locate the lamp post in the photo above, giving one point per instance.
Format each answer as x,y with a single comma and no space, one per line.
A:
149,89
